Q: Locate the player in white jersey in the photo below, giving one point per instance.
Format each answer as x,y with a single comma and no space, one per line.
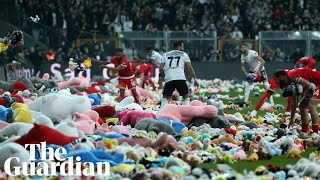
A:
172,68
156,59
257,70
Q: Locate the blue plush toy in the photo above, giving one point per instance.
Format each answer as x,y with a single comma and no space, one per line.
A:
5,113
177,126
96,99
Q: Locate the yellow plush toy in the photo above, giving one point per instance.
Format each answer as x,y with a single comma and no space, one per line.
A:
22,113
3,47
87,63
112,120
125,168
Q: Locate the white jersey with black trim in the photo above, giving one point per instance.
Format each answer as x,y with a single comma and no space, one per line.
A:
174,63
156,58
252,60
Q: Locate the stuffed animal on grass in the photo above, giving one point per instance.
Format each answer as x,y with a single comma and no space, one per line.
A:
149,124
134,116
77,82
215,122
185,114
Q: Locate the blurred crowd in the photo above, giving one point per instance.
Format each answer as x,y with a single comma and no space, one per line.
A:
64,21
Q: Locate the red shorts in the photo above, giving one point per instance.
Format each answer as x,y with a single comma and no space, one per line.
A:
130,83
316,93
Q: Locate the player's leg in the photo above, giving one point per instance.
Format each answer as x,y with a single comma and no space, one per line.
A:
288,109
167,92
132,84
144,82
266,84
122,87
152,84
312,105
247,87
303,107
182,88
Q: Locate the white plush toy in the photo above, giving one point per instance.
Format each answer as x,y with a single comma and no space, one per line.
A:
13,150
60,106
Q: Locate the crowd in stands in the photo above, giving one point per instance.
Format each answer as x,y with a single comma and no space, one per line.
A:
229,18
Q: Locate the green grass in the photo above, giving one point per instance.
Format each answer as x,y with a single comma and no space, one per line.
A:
282,160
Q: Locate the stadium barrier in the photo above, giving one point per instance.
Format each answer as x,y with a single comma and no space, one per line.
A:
204,70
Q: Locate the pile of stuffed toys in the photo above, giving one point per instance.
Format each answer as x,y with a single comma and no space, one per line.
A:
144,141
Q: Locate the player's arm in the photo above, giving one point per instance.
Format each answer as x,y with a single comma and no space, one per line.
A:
307,86
100,62
243,68
262,62
294,104
192,72
118,68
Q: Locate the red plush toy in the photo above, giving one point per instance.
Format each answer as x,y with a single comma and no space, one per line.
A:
42,133
19,86
105,112
230,131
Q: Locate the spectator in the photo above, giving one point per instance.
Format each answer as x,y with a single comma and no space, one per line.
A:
151,28
296,55
237,34
127,24
36,58
278,56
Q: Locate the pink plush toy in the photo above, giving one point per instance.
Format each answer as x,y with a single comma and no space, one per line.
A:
114,129
133,117
84,123
46,76
185,114
3,124
77,82
240,155
144,93
164,141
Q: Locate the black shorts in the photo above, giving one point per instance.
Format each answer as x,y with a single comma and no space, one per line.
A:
180,85
261,78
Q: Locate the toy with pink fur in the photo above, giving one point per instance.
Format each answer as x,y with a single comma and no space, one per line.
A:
185,114
85,123
134,116
77,82
143,93
114,129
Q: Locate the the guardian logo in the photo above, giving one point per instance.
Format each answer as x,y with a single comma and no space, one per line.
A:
46,166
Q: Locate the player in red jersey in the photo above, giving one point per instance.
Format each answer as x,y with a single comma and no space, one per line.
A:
307,62
147,76
127,77
273,88
309,79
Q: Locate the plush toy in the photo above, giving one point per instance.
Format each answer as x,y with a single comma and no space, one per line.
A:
105,112
149,124
294,153
192,132
67,128
6,114
128,103
226,138
22,113
215,122
134,116
253,157
240,155
78,82
84,123
60,106
143,93
13,150
7,100
262,155
192,160
40,133
114,129
95,99
185,114
164,141
177,126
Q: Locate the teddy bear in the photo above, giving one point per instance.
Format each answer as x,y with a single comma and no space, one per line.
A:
60,106
22,113
185,114
134,116
128,103
149,124
13,150
226,138
6,114
177,126
84,123
105,128
253,157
